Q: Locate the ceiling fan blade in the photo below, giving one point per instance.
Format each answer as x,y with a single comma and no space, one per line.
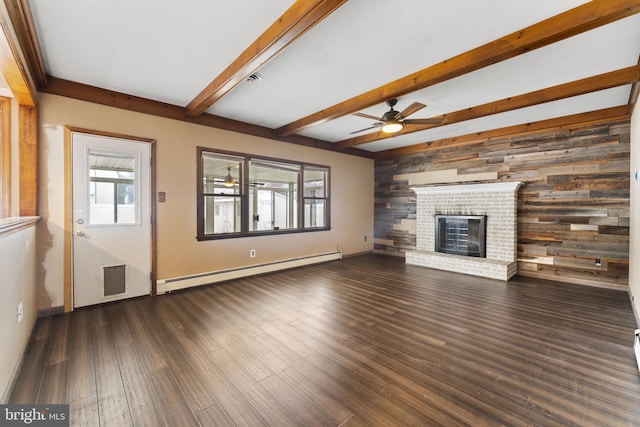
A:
366,116
431,121
375,125
416,106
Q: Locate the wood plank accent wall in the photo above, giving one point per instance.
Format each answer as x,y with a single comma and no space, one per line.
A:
573,209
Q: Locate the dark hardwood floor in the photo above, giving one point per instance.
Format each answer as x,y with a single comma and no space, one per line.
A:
367,341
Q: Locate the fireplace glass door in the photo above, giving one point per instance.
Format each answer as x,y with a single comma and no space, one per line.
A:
461,235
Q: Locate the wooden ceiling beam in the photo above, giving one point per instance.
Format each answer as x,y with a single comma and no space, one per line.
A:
70,89
629,75
570,23
297,20
13,65
22,19
573,121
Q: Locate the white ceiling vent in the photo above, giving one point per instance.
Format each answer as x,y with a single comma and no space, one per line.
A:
255,77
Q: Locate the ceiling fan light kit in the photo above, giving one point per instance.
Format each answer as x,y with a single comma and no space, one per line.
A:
392,126
228,180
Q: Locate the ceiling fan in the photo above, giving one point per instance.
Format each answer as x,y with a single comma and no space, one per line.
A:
393,121
229,181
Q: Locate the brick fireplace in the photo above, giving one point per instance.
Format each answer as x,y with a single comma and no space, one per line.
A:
496,201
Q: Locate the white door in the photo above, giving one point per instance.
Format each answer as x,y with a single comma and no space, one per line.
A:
111,186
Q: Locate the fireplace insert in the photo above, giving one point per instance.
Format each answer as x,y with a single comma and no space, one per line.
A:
461,235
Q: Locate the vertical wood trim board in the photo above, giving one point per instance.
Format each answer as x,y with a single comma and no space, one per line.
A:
28,155
5,156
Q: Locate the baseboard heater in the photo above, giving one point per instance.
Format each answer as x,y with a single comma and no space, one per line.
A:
636,347
175,283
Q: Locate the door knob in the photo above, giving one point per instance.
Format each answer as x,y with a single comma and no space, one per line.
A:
80,233
80,221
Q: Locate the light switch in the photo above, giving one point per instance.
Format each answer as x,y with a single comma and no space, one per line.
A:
162,197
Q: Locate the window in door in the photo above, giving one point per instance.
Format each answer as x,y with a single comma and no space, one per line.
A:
113,188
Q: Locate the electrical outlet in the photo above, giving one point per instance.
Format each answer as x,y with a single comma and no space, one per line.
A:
252,253
20,312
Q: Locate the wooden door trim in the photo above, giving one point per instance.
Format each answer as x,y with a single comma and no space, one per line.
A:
68,208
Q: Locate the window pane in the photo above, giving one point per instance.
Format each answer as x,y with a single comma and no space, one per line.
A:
221,214
315,182
222,188
314,212
315,194
273,193
221,174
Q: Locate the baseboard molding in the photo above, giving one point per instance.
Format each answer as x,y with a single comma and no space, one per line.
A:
4,399
51,311
355,254
14,376
398,254
574,280
177,283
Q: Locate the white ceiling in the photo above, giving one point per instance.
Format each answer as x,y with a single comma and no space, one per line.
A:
169,51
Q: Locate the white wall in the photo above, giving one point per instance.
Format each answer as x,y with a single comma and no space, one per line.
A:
634,232
17,284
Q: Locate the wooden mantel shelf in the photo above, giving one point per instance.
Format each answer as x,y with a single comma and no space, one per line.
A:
490,186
